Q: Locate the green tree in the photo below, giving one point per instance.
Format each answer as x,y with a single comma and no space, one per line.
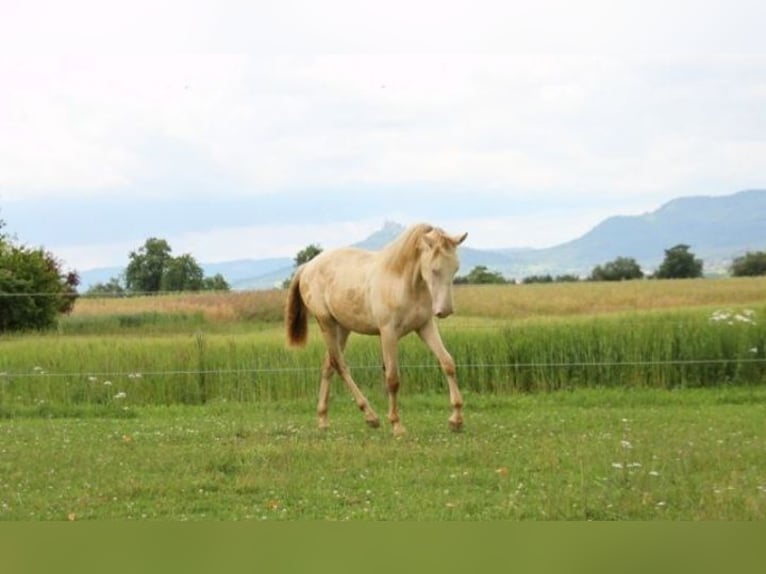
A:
215,283
620,269
147,266
547,278
307,254
111,287
751,264
679,263
567,278
152,268
182,273
303,256
33,288
481,275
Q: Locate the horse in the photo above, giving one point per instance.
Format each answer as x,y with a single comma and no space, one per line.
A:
388,293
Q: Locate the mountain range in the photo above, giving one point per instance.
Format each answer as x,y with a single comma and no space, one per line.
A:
717,229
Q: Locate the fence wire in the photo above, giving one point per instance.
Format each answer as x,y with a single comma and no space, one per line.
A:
405,367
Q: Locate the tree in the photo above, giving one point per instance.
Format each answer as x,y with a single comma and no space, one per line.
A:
567,278
751,264
679,263
528,280
620,269
307,254
215,283
152,269
303,256
147,266
33,288
182,273
481,275
111,287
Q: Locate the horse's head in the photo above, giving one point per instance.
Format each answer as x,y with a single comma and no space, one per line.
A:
438,265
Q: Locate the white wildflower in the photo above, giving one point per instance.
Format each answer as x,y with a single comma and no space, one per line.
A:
119,396
730,317
107,383
653,473
617,465
626,444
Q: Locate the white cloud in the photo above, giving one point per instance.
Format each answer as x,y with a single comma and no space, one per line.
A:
546,102
531,123
264,241
301,26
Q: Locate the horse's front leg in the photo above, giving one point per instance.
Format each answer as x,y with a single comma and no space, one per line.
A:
389,342
430,336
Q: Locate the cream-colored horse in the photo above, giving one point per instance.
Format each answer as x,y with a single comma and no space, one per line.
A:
389,293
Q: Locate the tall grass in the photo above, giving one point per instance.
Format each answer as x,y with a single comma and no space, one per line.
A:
598,298
663,349
488,301
212,307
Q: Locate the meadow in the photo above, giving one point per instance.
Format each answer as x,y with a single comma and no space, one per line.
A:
636,400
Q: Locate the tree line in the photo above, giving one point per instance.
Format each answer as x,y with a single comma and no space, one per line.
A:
679,263
34,288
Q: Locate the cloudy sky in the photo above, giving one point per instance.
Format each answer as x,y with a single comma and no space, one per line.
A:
250,129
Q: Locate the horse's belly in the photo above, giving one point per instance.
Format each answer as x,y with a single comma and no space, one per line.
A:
358,322
350,307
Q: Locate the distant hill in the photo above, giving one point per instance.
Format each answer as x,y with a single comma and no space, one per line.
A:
245,273
717,229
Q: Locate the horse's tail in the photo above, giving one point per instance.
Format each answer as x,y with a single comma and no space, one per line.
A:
296,316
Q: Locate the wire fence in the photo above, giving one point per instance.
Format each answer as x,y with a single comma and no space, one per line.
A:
203,360
116,295
41,373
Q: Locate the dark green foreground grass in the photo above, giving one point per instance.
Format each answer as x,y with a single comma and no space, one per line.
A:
643,454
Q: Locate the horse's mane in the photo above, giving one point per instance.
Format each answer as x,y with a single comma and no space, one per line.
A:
404,251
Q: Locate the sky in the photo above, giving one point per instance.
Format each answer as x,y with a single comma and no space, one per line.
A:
250,129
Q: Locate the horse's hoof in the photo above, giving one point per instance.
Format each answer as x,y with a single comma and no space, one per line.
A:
373,423
399,430
456,426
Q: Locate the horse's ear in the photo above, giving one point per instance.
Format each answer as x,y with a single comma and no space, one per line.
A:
458,239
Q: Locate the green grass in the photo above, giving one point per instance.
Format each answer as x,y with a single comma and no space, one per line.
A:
665,349
605,402
602,454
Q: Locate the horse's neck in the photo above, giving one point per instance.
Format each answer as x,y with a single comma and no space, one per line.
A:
409,275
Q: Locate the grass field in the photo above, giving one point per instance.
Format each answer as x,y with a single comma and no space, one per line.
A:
189,407
588,454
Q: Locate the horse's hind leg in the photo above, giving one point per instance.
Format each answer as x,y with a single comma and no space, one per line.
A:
335,338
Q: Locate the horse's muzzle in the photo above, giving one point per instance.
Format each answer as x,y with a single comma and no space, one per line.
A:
442,313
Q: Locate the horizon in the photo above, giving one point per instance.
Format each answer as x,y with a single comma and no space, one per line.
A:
267,268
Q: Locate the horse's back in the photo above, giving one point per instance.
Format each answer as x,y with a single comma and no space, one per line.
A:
335,285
